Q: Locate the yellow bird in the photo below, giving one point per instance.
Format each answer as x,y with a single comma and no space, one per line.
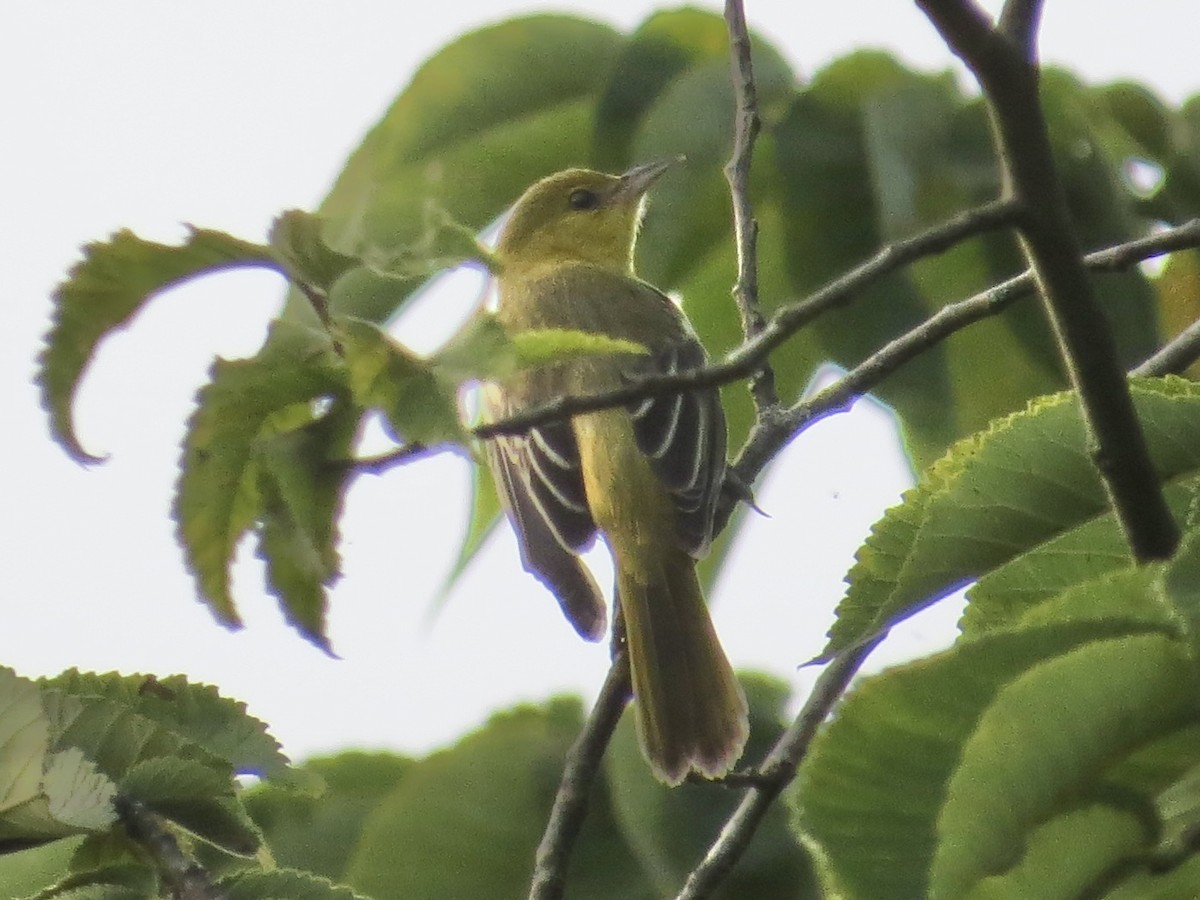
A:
647,477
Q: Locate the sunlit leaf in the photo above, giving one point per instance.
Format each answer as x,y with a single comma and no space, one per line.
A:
105,291
1025,481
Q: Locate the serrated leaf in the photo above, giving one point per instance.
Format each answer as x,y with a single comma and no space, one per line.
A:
77,794
116,738
129,883
283,884
24,739
419,406
105,291
217,499
1026,480
197,712
870,792
302,493
297,244
195,797
1030,753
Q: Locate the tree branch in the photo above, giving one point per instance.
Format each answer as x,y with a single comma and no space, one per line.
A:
745,226
1175,356
1004,63
776,772
766,439
579,773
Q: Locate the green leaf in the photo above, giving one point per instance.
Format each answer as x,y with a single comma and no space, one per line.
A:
319,833
838,178
23,874
485,515
1096,835
1176,883
481,120
302,489
869,796
217,498
105,291
77,794
420,407
1026,480
196,712
24,740
283,884
297,244
668,829
195,797
465,822
46,792
546,345
1030,753
662,48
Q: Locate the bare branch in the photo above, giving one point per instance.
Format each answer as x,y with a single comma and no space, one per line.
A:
766,439
1009,77
1175,356
745,226
579,773
775,773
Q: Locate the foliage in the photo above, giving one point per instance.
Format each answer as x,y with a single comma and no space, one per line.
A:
1051,752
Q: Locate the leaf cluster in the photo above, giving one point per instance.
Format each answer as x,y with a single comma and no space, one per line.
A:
106,777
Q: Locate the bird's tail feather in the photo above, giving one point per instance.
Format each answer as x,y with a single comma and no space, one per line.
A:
691,711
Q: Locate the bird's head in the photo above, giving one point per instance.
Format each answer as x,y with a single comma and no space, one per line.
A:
578,216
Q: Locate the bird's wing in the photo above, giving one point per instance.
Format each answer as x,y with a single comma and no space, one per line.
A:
541,485
683,436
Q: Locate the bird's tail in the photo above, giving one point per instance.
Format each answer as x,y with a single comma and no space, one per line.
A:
691,711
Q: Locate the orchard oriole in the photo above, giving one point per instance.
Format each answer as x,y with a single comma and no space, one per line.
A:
647,476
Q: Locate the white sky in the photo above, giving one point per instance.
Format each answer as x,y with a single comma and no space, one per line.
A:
147,114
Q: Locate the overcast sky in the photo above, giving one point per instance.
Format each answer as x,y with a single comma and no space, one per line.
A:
145,115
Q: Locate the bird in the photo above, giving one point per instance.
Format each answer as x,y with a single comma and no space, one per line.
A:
645,476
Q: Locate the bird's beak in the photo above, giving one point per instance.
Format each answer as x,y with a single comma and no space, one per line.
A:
638,180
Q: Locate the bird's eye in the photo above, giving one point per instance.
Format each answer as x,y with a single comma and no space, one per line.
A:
583,199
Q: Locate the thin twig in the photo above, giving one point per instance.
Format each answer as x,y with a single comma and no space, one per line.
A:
1174,356
185,877
1004,62
747,124
579,774
765,440
775,773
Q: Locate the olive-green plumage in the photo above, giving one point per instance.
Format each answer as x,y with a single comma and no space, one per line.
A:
646,477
